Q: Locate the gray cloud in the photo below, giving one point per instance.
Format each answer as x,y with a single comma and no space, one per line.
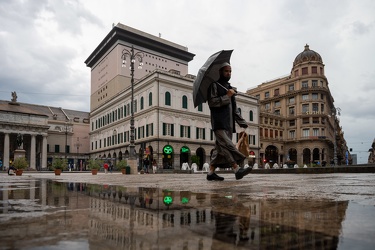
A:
44,43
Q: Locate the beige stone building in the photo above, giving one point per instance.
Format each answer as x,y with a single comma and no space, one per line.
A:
298,118
46,132
168,128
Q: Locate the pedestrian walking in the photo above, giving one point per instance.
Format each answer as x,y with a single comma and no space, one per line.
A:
224,114
154,166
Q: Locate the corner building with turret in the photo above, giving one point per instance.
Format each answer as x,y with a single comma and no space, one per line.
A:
299,123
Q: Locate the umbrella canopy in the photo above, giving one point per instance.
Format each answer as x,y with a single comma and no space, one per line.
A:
208,74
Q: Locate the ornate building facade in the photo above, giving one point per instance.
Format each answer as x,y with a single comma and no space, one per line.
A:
46,132
299,123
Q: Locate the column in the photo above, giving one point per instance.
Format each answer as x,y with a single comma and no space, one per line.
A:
32,152
6,150
44,152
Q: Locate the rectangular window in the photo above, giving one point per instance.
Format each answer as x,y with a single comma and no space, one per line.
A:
57,148
291,110
296,73
168,129
305,84
291,100
315,132
267,106
276,92
277,112
277,103
315,108
314,83
322,108
305,71
306,120
149,129
315,120
292,123
184,131
201,133
267,94
305,97
305,132
314,70
314,96
305,108
292,134
291,87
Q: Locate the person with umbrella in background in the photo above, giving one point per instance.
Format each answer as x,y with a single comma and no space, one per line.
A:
224,113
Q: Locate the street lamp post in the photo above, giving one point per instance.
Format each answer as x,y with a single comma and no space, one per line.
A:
335,112
133,56
78,144
66,140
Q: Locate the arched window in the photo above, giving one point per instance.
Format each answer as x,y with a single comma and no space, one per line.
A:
167,98
150,99
251,116
142,102
184,102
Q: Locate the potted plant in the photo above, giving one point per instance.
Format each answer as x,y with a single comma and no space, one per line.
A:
58,165
123,164
20,164
94,166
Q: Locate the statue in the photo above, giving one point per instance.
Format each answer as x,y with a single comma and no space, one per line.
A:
19,140
14,96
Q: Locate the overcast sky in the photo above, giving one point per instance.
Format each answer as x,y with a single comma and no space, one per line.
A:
44,43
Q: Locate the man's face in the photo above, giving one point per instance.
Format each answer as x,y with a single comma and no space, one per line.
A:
226,72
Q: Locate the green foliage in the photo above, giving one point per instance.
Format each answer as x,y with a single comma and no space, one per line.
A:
20,163
122,164
195,159
59,163
95,164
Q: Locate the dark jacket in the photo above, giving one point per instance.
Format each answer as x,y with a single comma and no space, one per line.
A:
224,112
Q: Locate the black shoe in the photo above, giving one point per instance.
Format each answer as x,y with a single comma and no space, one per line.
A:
214,177
242,172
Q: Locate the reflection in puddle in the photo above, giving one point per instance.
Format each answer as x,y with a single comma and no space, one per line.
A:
45,214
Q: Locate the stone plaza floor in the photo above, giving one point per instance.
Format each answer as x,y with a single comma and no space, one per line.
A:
78,210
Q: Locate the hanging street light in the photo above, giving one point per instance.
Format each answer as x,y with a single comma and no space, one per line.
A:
133,57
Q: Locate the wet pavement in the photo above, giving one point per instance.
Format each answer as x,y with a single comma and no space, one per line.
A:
184,211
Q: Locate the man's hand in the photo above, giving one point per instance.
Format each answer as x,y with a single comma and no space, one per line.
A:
231,92
244,126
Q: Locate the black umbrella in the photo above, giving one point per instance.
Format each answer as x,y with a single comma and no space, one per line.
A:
208,74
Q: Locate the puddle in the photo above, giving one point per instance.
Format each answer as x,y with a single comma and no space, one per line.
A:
46,214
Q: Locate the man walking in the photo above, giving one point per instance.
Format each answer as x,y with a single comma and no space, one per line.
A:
224,114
